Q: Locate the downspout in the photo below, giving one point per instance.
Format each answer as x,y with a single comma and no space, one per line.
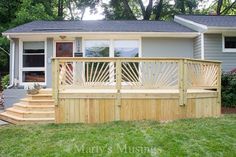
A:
13,63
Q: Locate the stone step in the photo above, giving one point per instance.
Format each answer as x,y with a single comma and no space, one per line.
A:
23,107
18,120
30,114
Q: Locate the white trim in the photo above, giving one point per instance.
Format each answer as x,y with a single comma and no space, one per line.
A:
231,50
202,47
22,69
75,34
189,22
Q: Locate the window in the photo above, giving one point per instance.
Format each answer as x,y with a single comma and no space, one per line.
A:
33,62
97,48
126,48
229,43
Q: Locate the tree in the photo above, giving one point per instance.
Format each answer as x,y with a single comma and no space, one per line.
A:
16,12
77,8
186,6
134,9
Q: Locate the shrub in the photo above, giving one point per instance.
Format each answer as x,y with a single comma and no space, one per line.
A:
229,89
5,81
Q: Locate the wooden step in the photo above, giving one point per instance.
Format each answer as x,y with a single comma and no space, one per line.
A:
40,96
28,101
20,106
30,114
45,91
17,120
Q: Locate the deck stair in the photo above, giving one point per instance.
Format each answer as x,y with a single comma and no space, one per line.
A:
33,109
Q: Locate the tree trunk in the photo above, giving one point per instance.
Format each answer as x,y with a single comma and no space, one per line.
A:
225,11
148,10
60,10
129,11
158,10
219,6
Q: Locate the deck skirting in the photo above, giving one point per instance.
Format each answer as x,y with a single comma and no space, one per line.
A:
78,107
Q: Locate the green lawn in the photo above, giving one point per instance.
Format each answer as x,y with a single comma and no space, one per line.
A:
196,137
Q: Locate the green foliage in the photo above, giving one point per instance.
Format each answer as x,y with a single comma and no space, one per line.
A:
29,12
229,89
5,81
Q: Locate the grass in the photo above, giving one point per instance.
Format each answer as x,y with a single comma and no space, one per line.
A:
193,137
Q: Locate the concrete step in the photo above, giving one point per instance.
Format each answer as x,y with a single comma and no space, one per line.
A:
18,120
39,108
30,114
28,101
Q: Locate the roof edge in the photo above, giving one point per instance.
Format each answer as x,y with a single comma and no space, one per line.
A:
166,34
190,24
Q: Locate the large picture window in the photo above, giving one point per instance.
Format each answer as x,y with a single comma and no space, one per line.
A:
229,43
33,62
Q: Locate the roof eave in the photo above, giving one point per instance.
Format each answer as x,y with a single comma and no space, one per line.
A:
220,29
144,34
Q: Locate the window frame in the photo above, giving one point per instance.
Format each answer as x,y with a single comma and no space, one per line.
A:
25,69
231,50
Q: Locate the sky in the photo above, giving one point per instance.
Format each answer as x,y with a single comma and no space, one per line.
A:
99,15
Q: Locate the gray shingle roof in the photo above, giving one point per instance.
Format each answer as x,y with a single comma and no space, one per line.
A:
212,20
99,26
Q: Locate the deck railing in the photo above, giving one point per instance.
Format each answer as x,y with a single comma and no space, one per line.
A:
135,73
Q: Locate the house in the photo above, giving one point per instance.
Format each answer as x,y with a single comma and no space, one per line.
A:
33,45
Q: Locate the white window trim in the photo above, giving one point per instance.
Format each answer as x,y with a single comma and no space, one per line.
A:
22,69
223,44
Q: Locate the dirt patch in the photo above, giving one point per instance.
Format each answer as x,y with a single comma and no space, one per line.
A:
227,110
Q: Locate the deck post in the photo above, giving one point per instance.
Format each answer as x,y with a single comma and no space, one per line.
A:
219,88
183,82
55,80
118,88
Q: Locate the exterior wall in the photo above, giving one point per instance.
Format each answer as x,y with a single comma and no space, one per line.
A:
167,47
49,55
213,51
197,47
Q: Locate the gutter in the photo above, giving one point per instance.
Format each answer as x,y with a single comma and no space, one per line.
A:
13,64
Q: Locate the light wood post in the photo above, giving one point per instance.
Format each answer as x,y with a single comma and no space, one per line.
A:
219,89
118,88
55,80
183,82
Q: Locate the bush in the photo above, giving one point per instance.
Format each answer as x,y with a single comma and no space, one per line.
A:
5,81
229,89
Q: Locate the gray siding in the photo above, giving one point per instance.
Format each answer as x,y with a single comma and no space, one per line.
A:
197,47
167,47
213,51
49,56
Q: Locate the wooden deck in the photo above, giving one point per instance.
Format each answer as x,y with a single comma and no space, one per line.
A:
95,90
